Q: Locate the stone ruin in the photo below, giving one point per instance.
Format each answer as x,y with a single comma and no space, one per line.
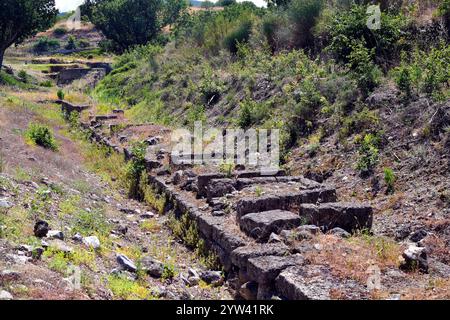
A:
244,216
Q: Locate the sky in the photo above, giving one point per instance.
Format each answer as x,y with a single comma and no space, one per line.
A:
69,5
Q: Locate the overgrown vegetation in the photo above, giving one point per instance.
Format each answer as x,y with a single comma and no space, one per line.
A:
289,67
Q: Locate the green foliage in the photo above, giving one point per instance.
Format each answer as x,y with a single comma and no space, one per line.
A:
424,72
45,44
389,179
23,76
444,12
238,36
22,19
213,30
130,23
227,169
368,154
71,43
135,168
348,26
251,113
42,136
90,223
7,79
60,31
46,84
124,288
365,72
168,272
404,81
60,93
302,15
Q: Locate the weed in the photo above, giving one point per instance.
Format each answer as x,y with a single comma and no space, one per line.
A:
150,225
389,179
60,93
368,154
258,191
124,288
227,169
168,271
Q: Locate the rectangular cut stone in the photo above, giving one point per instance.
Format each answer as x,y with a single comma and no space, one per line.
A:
348,216
260,225
240,256
265,269
203,181
315,282
285,202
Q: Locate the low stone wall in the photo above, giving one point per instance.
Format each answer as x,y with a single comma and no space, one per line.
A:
255,268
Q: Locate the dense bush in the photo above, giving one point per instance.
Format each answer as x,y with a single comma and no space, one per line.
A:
425,72
42,136
348,26
135,169
303,15
130,23
365,72
45,44
238,36
60,31
368,154
71,43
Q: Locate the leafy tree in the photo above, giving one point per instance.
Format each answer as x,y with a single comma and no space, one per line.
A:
224,3
20,19
128,23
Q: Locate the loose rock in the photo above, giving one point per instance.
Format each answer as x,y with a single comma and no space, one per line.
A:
152,266
126,263
415,259
41,229
92,242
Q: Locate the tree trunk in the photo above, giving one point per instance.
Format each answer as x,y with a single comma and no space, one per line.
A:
2,52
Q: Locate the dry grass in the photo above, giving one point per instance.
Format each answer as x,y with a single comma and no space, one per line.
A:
352,258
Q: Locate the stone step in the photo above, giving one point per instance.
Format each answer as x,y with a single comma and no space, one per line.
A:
260,225
67,107
264,270
220,187
346,215
316,282
203,180
284,202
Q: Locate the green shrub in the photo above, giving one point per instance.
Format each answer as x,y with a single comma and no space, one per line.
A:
23,76
349,26
42,136
71,43
82,43
404,81
368,154
238,36
46,84
251,113
444,12
270,25
60,94
135,169
389,179
60,31
45,44
90,223
303,15
7,79
365,72
427,72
